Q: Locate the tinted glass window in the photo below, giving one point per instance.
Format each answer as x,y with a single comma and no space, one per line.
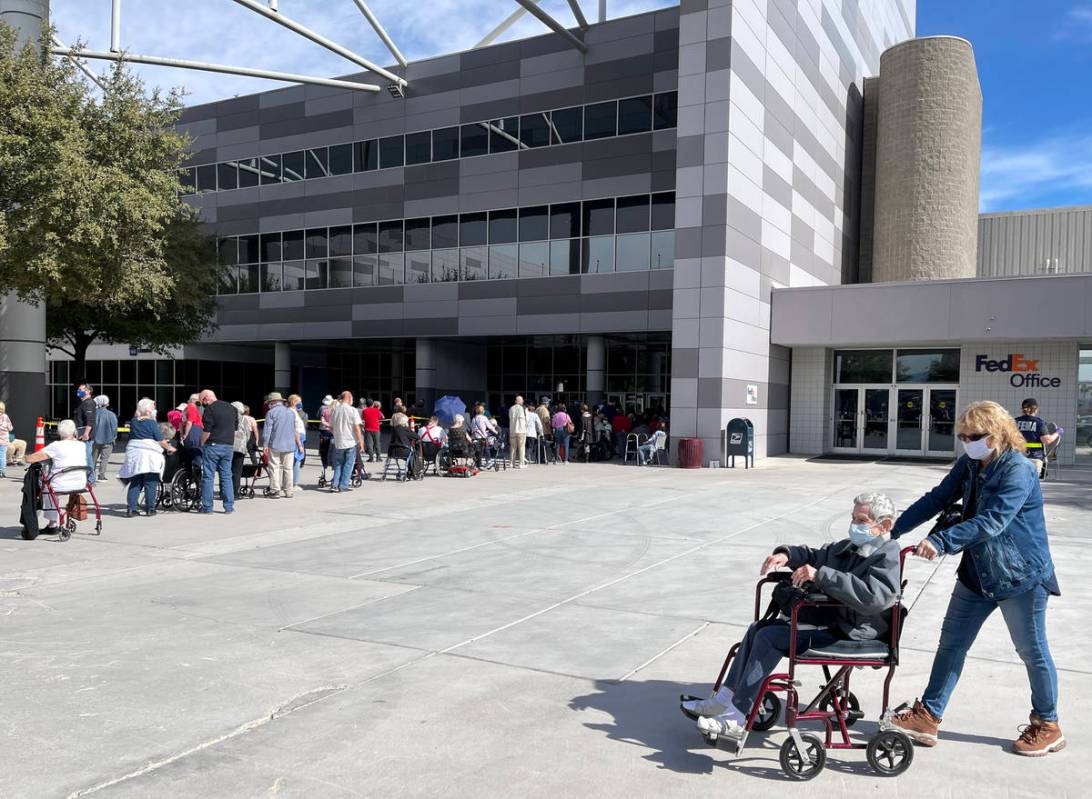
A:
271,247
391,152
419,147
471,230
341,159
927,366
534,224
634,115
227,175
317,163
206,177
598,217
341,240
364,239
600,120
228,251
292,166
188,180
248,249
502,226
666,110
293,245
270,168
248,173
663,211
863,366
417,234
445,144
567,125
633,214
565,221
316,243
445,231
475,139
365,155
504,135
534,129
390,236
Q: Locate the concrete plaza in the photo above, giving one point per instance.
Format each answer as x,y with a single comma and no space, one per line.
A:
521,634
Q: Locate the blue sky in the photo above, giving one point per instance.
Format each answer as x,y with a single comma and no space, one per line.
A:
1034,60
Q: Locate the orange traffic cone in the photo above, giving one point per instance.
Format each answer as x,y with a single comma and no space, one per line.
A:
39,435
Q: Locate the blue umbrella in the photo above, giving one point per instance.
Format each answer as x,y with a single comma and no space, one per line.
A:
447,407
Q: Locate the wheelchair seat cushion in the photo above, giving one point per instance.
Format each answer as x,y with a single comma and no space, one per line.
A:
849,650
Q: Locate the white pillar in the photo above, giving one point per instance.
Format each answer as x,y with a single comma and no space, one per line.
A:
282,367
596,382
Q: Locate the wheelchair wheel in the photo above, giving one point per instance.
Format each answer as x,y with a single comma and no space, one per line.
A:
70,525
183,491
768,714
165,498
65,531
849,704
890,753
804,765
356,481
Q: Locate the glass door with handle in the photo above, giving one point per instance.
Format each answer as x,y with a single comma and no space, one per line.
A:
940,437
909,421
861,420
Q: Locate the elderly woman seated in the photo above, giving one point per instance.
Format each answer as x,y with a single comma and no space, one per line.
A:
861,573
63,454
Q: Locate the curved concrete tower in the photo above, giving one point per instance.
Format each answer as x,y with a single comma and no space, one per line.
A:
928,143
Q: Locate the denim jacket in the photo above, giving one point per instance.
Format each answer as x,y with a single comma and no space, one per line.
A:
1006,538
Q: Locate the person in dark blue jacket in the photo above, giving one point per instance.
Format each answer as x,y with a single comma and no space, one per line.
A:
1005,563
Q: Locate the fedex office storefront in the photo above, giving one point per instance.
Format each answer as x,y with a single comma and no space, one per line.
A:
883,369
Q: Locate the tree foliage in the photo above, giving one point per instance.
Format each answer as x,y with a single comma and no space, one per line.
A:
91,217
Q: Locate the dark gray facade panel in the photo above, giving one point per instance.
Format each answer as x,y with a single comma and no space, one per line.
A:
551,156
246,119
710,392
292,127
634,144
555,98
549,286
617,167
493,73
445,326
494,109
659,299
435,84
238,302
663,180
379,211
504,53
279,113
487,289
377,328
718,55
684,362
775,186
599,90
607,302
432,189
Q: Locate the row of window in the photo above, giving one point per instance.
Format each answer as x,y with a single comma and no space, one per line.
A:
896,366
540,129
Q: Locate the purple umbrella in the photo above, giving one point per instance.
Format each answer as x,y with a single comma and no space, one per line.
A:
447,407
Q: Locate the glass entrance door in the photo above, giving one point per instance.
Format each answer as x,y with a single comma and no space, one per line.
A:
940,438
861,420
874,435
909,421
846,409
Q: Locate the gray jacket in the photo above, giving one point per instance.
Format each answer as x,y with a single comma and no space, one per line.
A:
867,585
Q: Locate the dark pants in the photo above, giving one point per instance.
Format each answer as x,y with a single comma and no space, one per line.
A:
237,459
150,484
759,653
371,444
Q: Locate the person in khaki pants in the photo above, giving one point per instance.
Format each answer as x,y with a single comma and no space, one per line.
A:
280,442
517,433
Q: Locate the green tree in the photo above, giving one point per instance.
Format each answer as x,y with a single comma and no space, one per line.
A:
92,221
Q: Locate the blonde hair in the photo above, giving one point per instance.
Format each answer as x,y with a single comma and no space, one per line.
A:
992,418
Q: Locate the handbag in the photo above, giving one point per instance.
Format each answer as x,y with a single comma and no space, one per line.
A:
569,428
786,596
77,507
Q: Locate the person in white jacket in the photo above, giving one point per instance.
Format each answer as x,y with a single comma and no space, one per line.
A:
517,433
534,433
143,467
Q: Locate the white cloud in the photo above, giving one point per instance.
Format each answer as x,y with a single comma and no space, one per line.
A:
1018,176
223,32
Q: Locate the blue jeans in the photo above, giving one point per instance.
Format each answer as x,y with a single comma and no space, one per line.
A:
217,458
3,456
759,653
343,461
644,452
296,470
1025,616
150,484
561,437
91,460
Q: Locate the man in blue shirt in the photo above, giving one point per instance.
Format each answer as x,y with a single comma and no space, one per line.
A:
1034,430
104,432
280,442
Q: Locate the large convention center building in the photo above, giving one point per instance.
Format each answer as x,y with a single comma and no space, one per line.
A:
761,208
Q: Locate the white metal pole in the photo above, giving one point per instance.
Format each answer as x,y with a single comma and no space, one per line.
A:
82,66
581,20
551,23
273,5
508,22
602,10
287,77
367,12
115,26
317,38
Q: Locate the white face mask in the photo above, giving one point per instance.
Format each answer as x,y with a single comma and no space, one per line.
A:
978,450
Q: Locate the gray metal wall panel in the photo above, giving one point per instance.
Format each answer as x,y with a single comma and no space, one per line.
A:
1035,242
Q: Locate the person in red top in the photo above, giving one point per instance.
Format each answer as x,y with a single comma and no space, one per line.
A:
372,416
621,424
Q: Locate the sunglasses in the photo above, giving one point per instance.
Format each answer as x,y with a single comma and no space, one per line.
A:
971,436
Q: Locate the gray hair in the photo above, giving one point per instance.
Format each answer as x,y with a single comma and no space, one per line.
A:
145,407
102,401
880,506
399,420
66,428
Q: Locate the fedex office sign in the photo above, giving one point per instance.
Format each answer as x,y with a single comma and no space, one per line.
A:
1024,371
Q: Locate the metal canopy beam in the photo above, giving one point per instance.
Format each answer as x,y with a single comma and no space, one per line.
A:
317,38
581,20
550,22
367,12
602,10
508,22
115,26
287,77
57,43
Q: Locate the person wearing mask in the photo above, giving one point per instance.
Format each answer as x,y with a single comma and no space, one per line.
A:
1034,431
220,421
103,436
144,461
372,416
65,452
280,442
192,425
517,433
346,442
861,573
1005,564
562,425
84,417
6,428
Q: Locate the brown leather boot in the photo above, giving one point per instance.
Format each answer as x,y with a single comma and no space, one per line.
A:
918,723
1039,738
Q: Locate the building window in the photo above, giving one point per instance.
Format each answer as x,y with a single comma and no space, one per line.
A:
248,173
317,243
502,226
565,257
292,166
472,229
445,231
475,139
600,120
365,156
206,177
391,152
534,130
418,148
633,214
445,144
598,254
504,135
927,366
632,252
565,221
418,234
227,175
634,115
599,217
341,241
534,259
665,110
567,125
663,249
445,265
269,168
534,223
663,211
292,245
248,250
341,159
863,366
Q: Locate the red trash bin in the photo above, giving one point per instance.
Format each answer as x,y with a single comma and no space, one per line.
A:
691,451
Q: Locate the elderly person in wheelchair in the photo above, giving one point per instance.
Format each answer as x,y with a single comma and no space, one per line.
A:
861,573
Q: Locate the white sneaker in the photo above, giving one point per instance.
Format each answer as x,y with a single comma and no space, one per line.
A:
729,724
704,707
